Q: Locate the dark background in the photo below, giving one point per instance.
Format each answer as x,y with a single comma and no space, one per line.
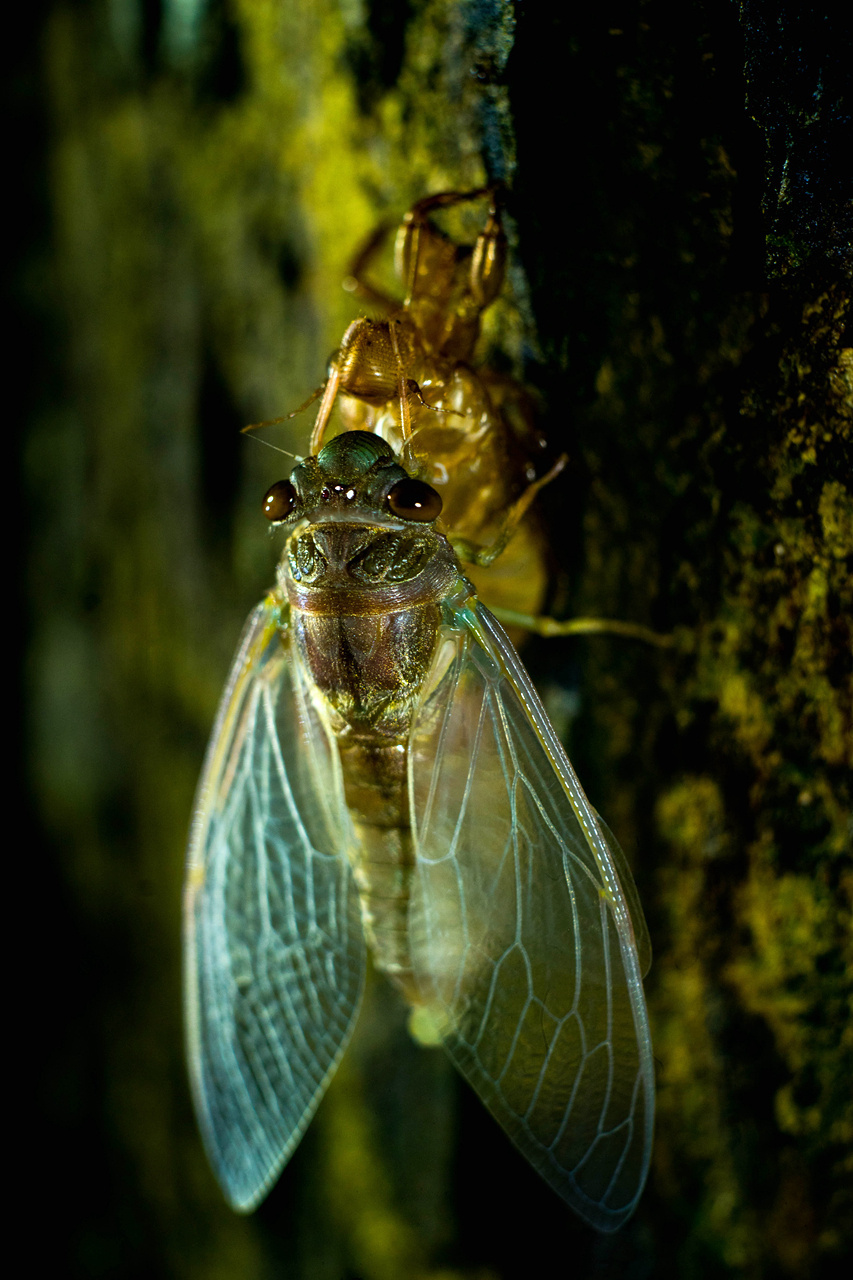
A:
188,186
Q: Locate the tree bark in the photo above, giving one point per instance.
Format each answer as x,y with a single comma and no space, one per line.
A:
678,297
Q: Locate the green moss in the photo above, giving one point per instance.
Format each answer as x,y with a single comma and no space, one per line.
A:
698,1171
787,592
358,1190
835,508
691,817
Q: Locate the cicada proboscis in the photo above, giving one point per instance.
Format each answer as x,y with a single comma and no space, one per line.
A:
382,777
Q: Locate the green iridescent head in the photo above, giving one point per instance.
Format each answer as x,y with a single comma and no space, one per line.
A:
351,455
356,476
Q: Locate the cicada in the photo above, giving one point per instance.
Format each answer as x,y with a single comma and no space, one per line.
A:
383,780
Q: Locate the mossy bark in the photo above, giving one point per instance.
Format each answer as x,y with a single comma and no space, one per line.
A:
679,296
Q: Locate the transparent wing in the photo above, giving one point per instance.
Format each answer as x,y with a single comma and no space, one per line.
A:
274,954
521,931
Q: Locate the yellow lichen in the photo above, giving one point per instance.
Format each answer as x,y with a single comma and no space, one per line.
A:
835,508
691,817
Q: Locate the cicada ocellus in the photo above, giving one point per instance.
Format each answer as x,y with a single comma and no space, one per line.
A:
382,778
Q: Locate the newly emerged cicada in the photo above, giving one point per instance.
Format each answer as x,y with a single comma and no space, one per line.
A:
383,778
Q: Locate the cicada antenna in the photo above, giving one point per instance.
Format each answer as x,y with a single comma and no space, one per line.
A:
269,444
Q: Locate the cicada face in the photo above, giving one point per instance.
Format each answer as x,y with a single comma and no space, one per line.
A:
361,537
382,776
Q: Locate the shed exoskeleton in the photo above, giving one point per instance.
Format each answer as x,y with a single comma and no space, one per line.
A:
408,374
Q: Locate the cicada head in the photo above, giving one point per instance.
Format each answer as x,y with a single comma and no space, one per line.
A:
361,531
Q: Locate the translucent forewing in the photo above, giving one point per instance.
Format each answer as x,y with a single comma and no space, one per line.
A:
521,936
274,954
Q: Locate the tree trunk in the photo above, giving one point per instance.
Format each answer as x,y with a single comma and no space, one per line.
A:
678,208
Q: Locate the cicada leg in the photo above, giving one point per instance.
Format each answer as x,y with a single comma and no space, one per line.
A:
403,391
446,288
371,364
488,258
484,556
542,624
356,282
330,393
545,626
408,248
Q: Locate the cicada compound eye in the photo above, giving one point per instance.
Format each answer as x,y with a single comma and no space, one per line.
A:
279,501
414,500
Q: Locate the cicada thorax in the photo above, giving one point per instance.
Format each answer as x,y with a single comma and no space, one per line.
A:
364,589
410,378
